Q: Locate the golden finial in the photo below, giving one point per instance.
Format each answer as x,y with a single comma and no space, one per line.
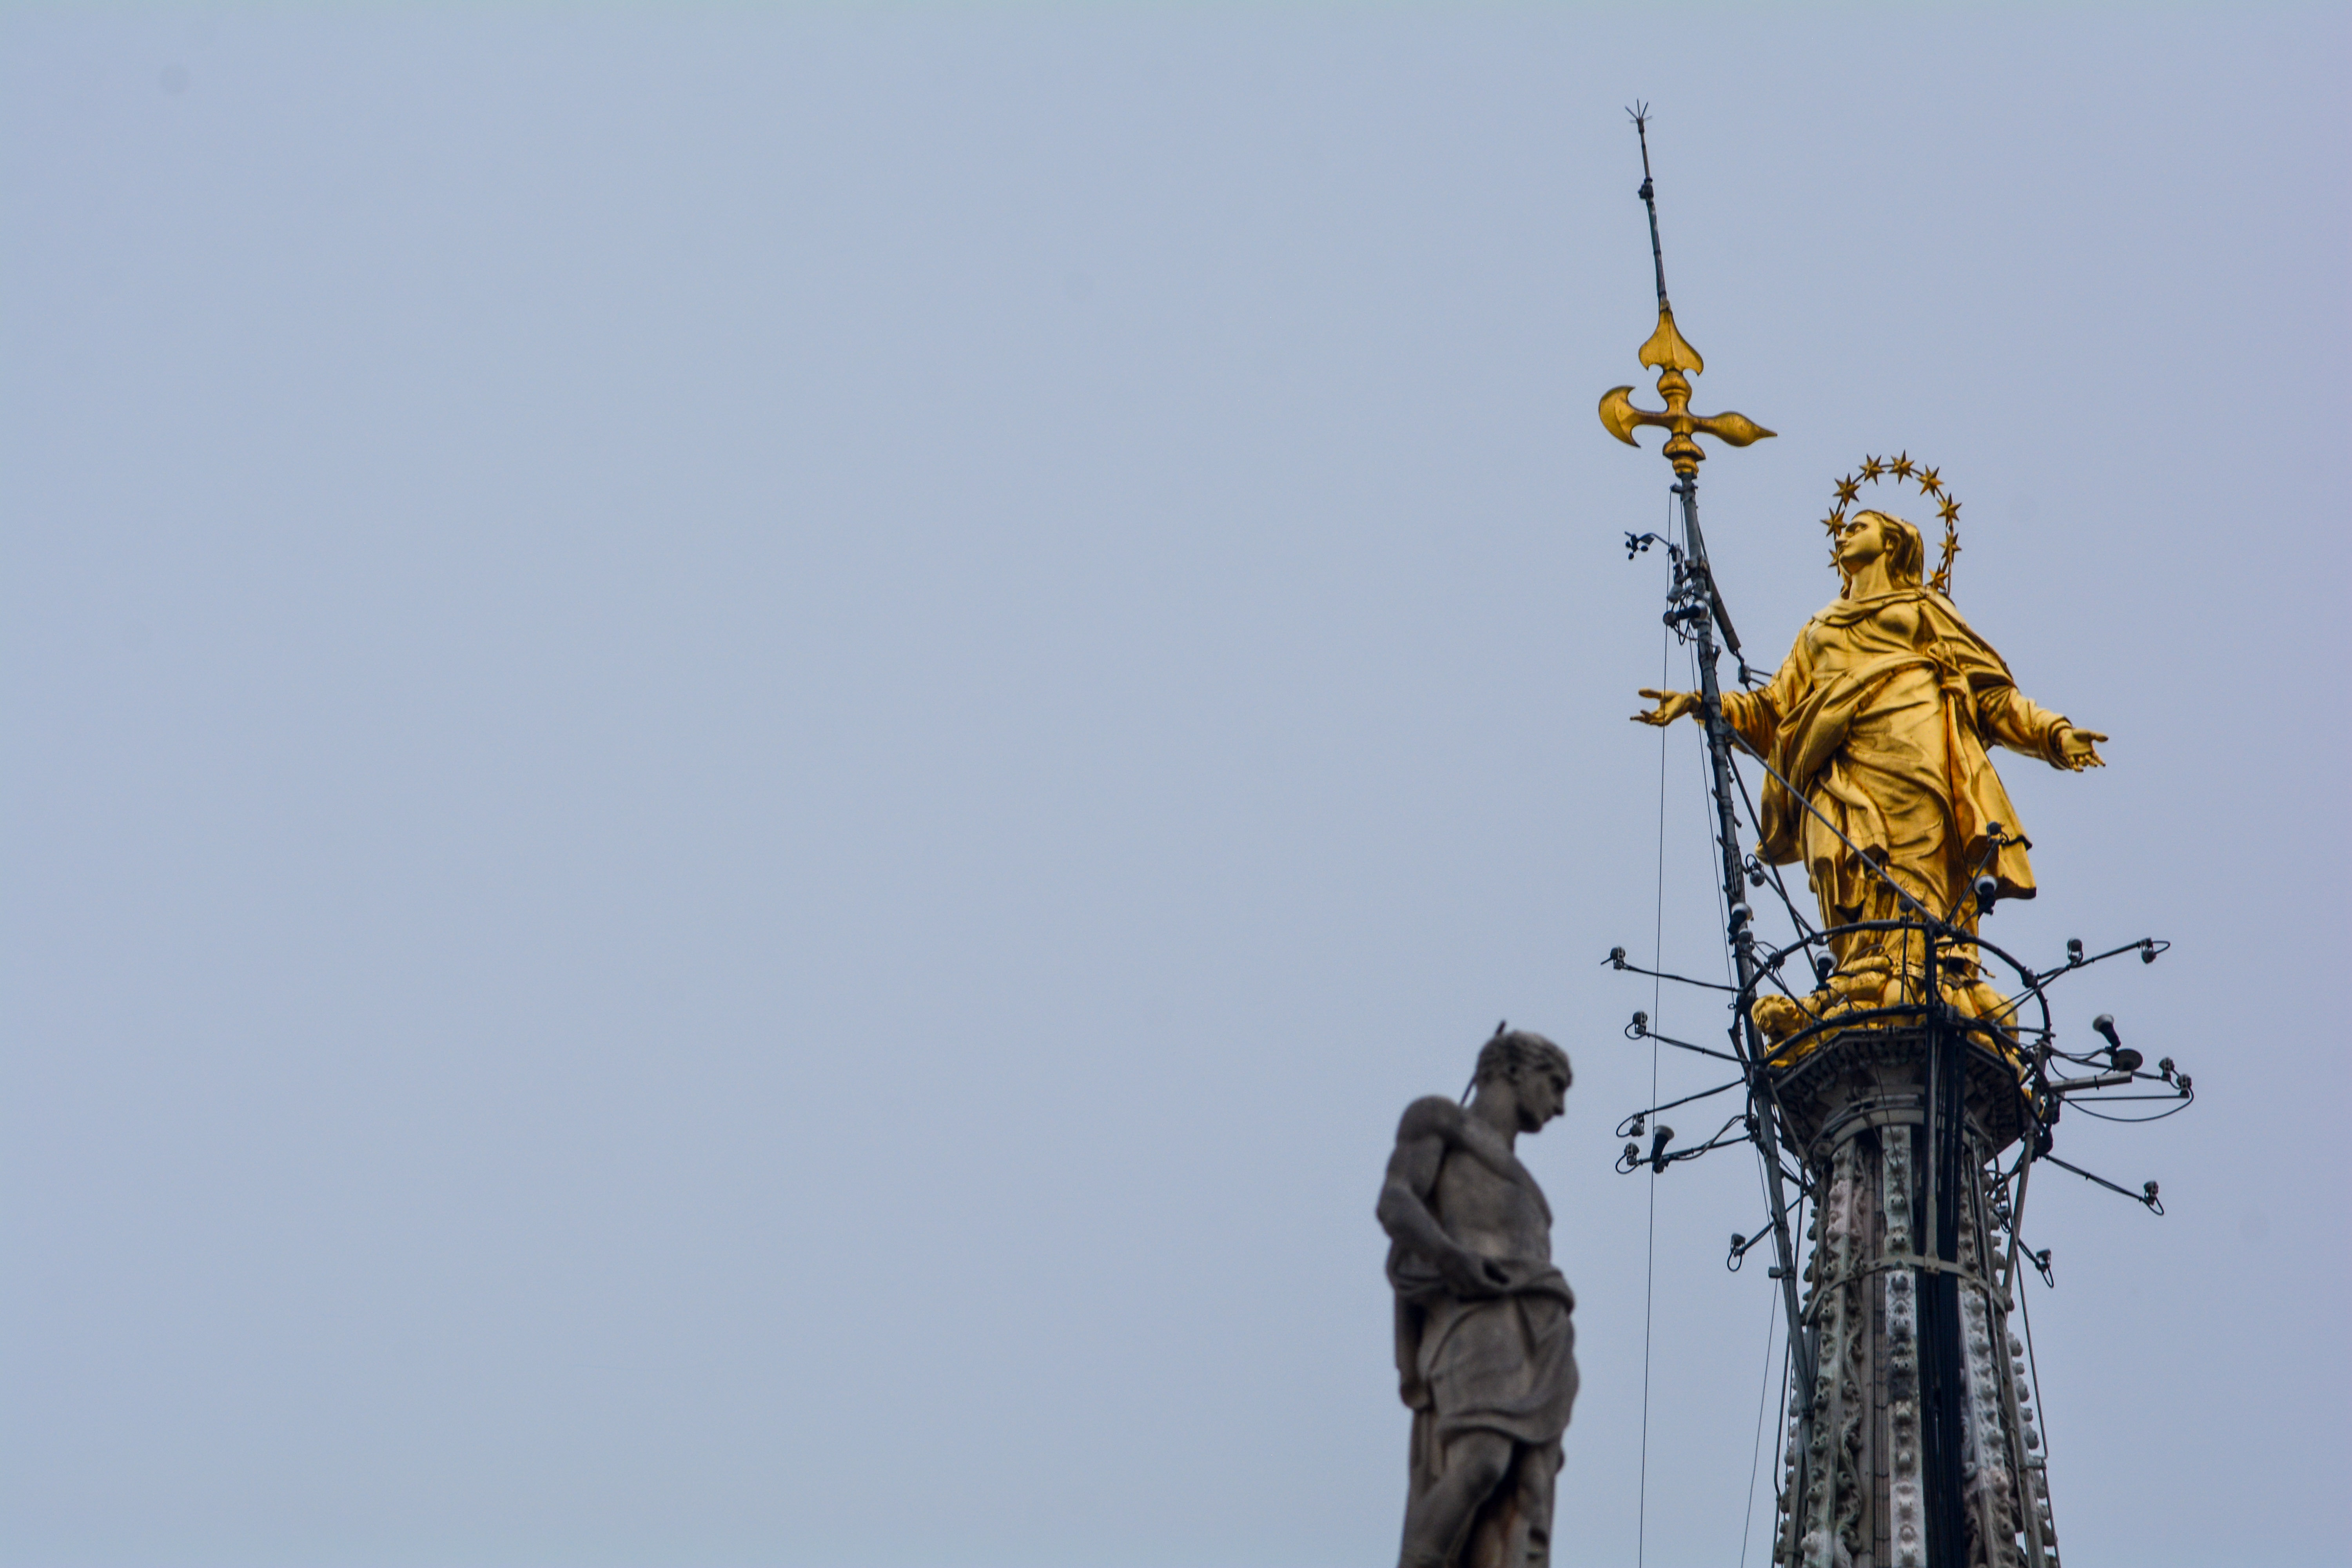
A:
1673,359
1622,419
1666,350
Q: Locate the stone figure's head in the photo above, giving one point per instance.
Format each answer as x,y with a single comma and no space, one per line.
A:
1869,535
1535,1070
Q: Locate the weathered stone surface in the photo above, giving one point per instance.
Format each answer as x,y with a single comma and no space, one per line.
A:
1486,1343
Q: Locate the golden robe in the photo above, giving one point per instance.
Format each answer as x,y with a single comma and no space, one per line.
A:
1880,718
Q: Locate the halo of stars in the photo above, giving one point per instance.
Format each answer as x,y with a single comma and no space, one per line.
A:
1899,469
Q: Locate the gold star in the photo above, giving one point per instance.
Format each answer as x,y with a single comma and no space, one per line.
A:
1931,481
1847,489
1870,469
1950,511
1902,466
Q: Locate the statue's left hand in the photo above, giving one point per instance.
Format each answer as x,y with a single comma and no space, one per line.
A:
1670,706
2079,748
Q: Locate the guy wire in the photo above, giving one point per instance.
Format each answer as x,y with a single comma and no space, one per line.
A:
1763,1392
2034,1369
1731,972
1657,999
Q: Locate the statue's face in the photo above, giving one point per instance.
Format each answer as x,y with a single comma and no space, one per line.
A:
1861,540
1542,1095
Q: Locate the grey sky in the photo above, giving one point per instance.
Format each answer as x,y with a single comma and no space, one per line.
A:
750,751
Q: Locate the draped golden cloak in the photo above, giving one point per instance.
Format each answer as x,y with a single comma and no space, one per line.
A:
1880,719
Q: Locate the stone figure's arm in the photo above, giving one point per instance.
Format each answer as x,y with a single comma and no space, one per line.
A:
1404,1209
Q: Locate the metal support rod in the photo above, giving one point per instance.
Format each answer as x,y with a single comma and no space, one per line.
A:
1743,944
2104,1080
1650,200
1942,1417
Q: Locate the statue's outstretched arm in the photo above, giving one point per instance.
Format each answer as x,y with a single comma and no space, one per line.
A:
1670,706
2009,717
1755,715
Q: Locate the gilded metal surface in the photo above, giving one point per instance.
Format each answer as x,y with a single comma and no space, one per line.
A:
1666,350
1876,732
1671,356
1931,484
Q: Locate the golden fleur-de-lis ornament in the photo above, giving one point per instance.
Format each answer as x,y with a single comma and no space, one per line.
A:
1670,357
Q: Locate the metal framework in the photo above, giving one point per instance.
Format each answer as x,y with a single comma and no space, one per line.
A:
1911,1130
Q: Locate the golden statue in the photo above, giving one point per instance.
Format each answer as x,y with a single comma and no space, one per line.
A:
1876,731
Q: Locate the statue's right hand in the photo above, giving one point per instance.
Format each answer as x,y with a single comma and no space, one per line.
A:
1473,1274
1670,706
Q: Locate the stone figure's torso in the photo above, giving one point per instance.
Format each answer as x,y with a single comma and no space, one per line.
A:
1488,1201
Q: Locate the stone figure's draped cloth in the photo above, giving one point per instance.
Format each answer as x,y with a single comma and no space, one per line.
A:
1502,1362
1880,719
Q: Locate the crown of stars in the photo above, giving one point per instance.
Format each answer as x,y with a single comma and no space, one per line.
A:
1930,482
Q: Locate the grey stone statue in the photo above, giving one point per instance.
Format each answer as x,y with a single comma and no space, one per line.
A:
1485,1348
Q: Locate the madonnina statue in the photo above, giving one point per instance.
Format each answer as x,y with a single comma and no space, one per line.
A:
1486,1350
1879,720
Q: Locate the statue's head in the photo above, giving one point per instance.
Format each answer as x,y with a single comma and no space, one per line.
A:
1868,536
1535,1070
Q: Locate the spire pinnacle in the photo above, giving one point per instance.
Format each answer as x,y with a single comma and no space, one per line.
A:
1672,356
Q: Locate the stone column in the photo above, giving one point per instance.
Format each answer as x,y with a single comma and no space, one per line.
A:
1857,1491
